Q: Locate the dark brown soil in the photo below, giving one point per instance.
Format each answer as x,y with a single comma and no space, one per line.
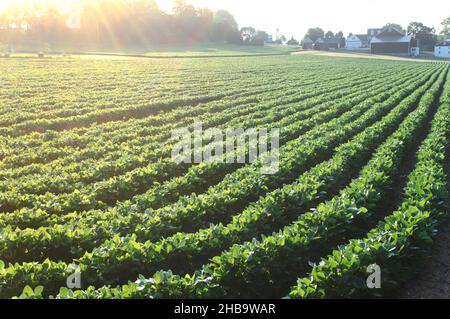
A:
433,281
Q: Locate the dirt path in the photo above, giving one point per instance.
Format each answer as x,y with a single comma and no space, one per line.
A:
342,54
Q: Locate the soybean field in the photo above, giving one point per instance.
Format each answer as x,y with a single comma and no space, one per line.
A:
89,189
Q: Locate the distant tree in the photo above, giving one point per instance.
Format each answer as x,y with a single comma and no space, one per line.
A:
186,19
45,24
292,41
114,23
315,33
4,23
205,18
340,39
260,38
281,39
339,35
225,28
395,26
248,34
329,35
445,33
417,28
143,15
252,37
425,35
181,7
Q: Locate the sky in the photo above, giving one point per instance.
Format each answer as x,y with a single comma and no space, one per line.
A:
294,17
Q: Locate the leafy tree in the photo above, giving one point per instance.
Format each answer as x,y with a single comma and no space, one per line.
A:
329,35
395,26
205,21
314,34
252,37
341,39
186,21
446,28
426,35
292,41
225,28
282,39
248,33
115,23
260,38
46,25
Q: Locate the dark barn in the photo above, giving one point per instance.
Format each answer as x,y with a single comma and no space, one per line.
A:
392,41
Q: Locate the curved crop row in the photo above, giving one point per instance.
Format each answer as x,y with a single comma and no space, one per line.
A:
14,118
110,99
83,137
115,113
59,176
60,142
405,234
235,191
94,195
135,139
126,76
123,258
246,269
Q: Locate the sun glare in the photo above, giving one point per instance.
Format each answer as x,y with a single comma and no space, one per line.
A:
165,5
64,5
4,4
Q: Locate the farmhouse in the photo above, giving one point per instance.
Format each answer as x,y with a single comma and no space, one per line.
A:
390,40
357,41
442,50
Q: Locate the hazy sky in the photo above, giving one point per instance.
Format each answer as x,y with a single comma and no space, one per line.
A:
294,17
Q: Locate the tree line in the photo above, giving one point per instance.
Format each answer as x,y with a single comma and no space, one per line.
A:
315,34
120,23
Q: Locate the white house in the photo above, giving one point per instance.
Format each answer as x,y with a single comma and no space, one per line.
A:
356,41
353,42
442,50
